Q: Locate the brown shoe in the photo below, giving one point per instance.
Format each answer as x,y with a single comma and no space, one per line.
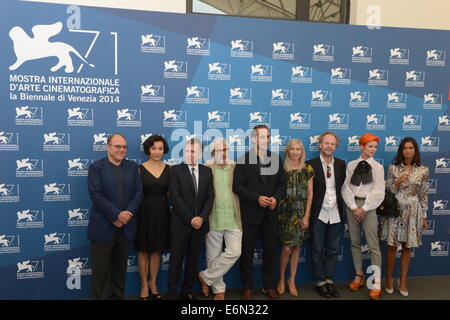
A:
293,290
219,296
246,294
203,286
271,294
280,287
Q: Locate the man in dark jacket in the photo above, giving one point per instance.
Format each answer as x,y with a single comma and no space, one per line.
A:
192,194
115,188
327,213
260,183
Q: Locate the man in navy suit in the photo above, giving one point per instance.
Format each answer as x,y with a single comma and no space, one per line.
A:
192,194
115,188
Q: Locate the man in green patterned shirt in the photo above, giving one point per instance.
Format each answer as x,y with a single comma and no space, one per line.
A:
225,223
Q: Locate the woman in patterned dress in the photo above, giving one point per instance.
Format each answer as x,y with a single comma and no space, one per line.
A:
408,180
294,211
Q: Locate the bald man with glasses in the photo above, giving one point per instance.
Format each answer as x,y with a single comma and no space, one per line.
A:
115,188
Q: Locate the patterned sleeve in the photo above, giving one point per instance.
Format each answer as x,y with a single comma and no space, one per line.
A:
390,179
423,191
309,172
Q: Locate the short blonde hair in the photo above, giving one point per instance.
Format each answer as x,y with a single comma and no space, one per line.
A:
292,142
332,134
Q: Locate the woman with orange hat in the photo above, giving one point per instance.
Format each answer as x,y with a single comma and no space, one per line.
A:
363,191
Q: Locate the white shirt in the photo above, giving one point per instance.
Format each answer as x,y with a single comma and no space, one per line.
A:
196,173
329,213
373,192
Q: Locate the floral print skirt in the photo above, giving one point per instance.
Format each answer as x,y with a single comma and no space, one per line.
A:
406,228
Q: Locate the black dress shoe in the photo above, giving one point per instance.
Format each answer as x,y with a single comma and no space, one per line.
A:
323,291
171,296
271,294
188,297
332,290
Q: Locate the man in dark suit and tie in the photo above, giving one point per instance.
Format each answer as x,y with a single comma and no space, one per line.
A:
115,188
192,194
260,183
327,213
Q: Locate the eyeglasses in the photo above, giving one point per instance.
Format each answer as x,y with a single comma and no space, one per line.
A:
118,146
328,172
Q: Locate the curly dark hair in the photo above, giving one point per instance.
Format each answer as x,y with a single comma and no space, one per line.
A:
399,159
151,141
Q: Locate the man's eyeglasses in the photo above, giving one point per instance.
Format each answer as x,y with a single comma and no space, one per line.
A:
328,172
118,146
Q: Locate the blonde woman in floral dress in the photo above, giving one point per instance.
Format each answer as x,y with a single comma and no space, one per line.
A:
408,180
294,212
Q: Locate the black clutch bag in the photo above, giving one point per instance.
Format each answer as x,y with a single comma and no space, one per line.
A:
389,207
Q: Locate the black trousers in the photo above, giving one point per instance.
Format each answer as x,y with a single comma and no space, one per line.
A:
268,232
189,245
109,268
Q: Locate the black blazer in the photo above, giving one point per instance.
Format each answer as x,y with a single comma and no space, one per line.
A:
319,186
249,185
185,205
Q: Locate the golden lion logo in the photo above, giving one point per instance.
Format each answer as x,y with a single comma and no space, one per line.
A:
39,47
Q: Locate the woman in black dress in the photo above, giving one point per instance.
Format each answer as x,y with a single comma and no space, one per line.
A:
153,222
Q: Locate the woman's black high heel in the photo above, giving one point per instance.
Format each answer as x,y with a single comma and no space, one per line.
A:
155,296
145,298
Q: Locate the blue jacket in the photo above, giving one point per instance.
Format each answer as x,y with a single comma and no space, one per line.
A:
103,193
